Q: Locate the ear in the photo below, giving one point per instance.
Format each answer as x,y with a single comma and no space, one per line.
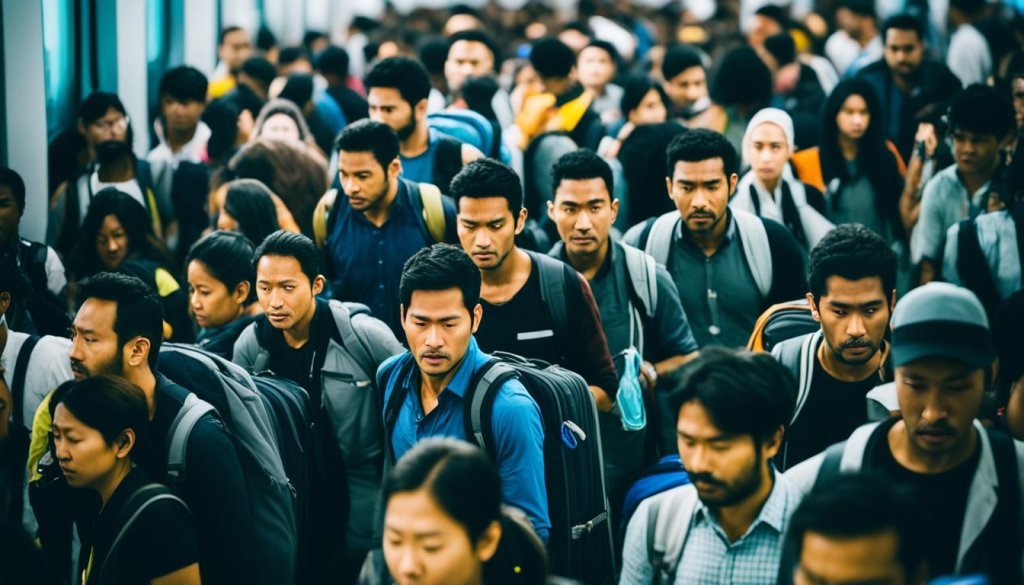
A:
241,292
551,210
5,302
772,445
125,443
136,352
394,168
488,543
733,180
615,210
420,110
668,187
892,302
521,221
318,284
814,307
478,314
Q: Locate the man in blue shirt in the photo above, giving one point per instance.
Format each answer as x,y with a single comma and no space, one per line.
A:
440,292
379,223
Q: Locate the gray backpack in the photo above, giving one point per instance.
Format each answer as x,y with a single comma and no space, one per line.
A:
668,523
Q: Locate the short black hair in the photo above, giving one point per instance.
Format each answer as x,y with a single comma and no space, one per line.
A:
862,504
251,203
12,180
981,109
311,37
582,164
773,12
782,47
185,84
486,177
408,76
298,89
292,245
859,7
139,312
608,48
260,69
289,55
853,252
477,36
369,136
552,58
433,52
700,144
227,256
904,21
96,104
265,39
679,58
224,32
743,393
441,267
741,78
969,7
333,60
635,89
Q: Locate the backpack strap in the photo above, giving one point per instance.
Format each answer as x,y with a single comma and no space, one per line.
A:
479,404
433,211
18,379
846,457
973,267
447,161
643,278
808,356
659,238
756,249
668,523
177,437
1010,475
552,290
324,217
343,313
143,498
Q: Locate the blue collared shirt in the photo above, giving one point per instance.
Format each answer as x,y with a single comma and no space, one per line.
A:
368,260
516,424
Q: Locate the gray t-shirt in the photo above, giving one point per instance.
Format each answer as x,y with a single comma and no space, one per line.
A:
857,203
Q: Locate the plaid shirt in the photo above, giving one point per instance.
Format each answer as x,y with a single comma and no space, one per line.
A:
709,558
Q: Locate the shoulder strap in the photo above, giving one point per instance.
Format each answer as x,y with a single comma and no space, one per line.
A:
363,355
848,456
433,211
447,161
808,354
756,249
145,497
975,272
177,436
668,523
552,290
391,376
659,239
479,404
642,275
18,379
1010,478
323,217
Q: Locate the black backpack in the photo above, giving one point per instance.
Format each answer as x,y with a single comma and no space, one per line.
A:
447,162
36,310
975,272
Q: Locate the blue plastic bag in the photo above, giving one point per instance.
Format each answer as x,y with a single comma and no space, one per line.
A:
630,400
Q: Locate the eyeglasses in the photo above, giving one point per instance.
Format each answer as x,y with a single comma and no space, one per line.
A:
118,125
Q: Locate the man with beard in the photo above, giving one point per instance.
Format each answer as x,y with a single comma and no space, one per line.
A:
729,265
911,87
233,48
441,311
852,274
685,81
118,331
726,526
103,121
398,89
967,476
379,222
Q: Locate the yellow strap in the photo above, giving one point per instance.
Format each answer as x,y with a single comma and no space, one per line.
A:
320,213
165,283
39,443
433,210
158,226
756,341
88,567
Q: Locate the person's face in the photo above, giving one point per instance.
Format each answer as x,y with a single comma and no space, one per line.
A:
650,110
235,50
854,315
285,292
575,39
112,243
687,88
281,127
111,126
95,349
904,52
84,456
212,303
528,79
853,117
487,230
423,545
226,222
438,327
10,217
726,469
388,107
467,59
181,115
857,560
363,180
939,399
975,153
583,212
762,28
768,152
594,67
1018,100
701,191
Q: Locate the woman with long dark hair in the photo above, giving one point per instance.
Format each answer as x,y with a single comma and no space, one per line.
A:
249,209
116,236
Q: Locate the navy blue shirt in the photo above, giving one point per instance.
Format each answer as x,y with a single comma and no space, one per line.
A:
368,260
518,433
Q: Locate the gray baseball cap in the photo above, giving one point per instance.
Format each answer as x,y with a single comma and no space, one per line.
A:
941,320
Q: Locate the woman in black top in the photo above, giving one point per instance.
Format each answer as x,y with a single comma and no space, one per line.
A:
143,533
221,289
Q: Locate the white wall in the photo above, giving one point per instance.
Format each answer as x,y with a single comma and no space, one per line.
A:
132,72
201,34
26,108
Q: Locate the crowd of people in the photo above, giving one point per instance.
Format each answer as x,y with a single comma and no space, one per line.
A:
776,252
